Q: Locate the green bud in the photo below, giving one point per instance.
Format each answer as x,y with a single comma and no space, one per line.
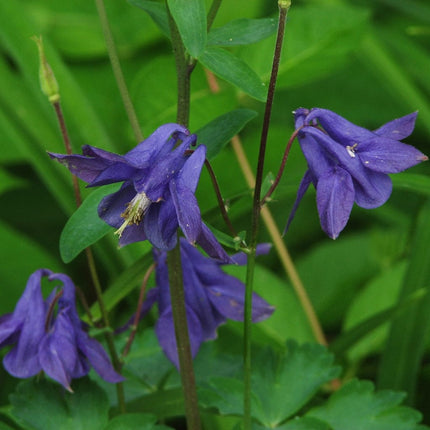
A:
284,4
47,79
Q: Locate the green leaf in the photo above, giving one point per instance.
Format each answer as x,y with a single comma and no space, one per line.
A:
391,74
408,336
286,382
333,271
412,182
135,422
157,11
280,294
235,71
21,256
162,403
299,423
220,131
85,227
45,405
281,384
190,18
342,343
242,31
129,279
357,406
318,40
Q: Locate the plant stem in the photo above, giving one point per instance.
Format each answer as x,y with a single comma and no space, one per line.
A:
281,168
117,71
212,12
130,340
221,204
182,338
247,420
68,146
92,265
281,249
184,68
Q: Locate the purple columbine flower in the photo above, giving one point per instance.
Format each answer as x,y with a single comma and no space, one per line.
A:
211,296
157,194
348,163
55,343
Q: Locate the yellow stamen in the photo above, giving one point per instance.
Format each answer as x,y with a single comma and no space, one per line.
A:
134,212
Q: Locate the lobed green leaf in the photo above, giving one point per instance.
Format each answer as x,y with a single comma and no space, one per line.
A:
357,406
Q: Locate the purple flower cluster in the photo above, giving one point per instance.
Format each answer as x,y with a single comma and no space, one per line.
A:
159,179
211,296
348,163
54,343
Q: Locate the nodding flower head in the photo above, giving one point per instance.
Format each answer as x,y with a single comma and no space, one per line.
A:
56,344
159,178
348,163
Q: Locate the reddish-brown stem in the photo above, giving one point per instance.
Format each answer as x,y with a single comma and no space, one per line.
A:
281,168
220,199
51,309
130,339
65,135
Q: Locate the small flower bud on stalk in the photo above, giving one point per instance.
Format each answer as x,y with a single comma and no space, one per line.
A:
47,79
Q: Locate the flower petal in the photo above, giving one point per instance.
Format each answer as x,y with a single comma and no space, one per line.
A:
335,198
187,210
399,128
58,351
160,224
388,156
190,173
22,360
228,299
375,192
197,300
338,128
84,168
112,206
154,183
211,246
98,358
165,332
304,185
143,154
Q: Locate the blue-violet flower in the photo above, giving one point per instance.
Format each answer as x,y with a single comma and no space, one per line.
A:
157,194
56,344
211,296
348,163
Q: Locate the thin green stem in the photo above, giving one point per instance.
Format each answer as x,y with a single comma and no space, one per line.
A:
247,418
183,71
138,313
184,68
117,71
212,12
92,264
182,338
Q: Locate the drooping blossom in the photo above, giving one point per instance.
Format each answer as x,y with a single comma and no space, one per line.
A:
159,178
348,163
211,297
55,343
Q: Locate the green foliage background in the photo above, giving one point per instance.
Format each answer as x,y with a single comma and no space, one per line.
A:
368,60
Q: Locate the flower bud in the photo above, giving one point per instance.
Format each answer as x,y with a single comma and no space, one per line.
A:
47,79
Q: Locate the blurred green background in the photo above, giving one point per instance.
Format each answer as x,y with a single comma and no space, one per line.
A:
368,60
